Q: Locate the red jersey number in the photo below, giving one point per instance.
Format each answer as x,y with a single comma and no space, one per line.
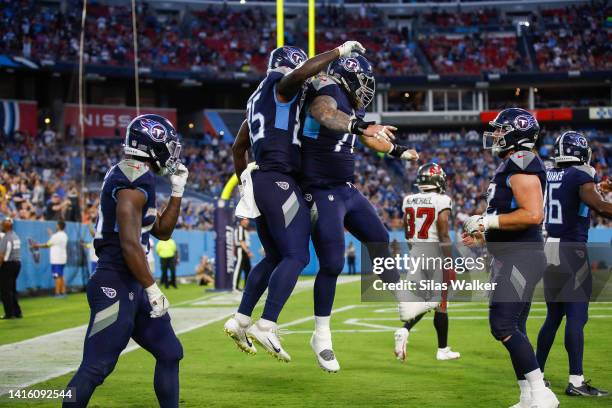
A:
409,221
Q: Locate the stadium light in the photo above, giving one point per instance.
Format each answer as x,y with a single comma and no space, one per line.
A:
47,120
191,125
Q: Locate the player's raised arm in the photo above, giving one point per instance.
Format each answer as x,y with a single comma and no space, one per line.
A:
289,85
166,221
240,149
591,197
130,203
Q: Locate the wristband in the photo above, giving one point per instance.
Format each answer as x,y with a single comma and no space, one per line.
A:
177,191
491,222
397,150
356,126
153,291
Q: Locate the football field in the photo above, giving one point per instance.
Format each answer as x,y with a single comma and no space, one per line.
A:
215,374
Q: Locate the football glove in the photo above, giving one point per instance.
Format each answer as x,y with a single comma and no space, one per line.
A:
403,153
159,302
179,180
349,47
481,223
357,126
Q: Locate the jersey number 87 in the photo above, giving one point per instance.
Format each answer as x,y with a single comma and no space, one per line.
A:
429,213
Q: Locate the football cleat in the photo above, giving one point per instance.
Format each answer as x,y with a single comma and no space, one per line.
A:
585,390
410,310
269,339
401,341
447,354
544,398
325,354
523,403
238,333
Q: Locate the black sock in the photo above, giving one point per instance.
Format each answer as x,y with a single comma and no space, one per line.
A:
441,325
409,325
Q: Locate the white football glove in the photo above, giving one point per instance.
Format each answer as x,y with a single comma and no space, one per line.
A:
159,302
178,180
474,224
351,46
481,223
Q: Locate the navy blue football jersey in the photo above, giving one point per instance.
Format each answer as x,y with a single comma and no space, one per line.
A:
500,199
327,155
130,174
567,217
274,126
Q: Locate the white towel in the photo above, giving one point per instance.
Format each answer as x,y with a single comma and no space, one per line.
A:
247,208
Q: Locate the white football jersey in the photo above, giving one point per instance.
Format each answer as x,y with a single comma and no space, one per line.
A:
421,214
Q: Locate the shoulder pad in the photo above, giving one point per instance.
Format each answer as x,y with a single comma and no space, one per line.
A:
585,168
132,169
522,159
280,70
321,81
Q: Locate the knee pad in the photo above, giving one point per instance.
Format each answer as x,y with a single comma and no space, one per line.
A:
173,352
501,326
332,266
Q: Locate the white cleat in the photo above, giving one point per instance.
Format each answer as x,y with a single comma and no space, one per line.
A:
523,403
401,341
238,333
410,310
325,354
447,354
269,339
544,398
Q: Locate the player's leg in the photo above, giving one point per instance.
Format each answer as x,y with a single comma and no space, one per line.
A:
254,287
287,218
507,322
158,338
555,310
110,327
327,213
440,321
401,337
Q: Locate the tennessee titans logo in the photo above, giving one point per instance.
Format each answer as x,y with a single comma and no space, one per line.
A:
283,184
308,197
296,57
109,292
581,142
351,64
154,129
523,122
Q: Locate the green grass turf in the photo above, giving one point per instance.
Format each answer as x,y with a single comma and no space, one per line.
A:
215,374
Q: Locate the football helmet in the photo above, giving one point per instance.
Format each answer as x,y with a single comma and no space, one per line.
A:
289,57
355,75
152,138
431,176
572,147
512,129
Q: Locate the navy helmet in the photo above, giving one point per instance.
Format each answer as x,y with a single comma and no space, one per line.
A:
431,177
512,129
289,57
152,138
355,75
572,147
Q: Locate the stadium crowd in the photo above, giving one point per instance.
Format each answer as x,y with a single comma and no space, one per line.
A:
222,41
40,176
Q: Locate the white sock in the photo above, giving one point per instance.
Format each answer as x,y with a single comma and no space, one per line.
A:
535,379
525,390
576,380
443,350
266,324
243,320
322,329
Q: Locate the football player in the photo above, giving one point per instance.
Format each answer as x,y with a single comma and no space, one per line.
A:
512,228
272,129
123,297
335,107
568,283
426,222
